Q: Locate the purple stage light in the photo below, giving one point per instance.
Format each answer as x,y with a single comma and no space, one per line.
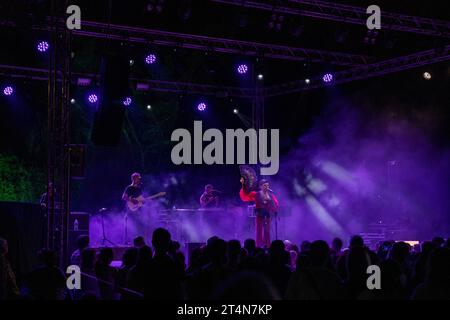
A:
8,91
93,98
327,77
150,59
43,46
242,69
201,106
127,101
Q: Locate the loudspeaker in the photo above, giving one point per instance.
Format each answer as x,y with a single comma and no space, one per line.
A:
77,160
82,228
108,119
81,219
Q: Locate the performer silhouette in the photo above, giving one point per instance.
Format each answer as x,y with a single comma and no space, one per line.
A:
266,204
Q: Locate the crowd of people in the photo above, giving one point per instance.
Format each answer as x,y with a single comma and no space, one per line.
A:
230,270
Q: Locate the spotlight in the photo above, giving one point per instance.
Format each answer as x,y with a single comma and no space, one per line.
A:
149,107
327,77
242,69
142,86
201,106
131,62
150,59
260,76
127,101
235,111
307,81
84,82
427,75
92,98
72,101
8,91
43,46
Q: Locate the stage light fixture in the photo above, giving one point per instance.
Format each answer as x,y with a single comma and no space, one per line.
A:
72,101
84,82
8,91
150,58
235,111
149,107
242,69
201,106
260,76
43,46
142,86
92,98
427,75
131,62
127,101
307,81
327,77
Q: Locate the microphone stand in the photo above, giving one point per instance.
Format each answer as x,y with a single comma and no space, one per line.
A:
104,239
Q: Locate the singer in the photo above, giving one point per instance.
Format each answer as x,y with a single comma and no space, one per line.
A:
266,204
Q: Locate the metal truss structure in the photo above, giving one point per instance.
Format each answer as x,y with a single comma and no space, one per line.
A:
348,14
58,152
358,73
39,74
214,44
376,69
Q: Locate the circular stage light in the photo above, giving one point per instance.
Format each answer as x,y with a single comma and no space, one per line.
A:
427,75
43,46
72,101
307,81
201,106
127,101
93,98
8,91
242,69
150,59
260,76
327,77
235,111
149,107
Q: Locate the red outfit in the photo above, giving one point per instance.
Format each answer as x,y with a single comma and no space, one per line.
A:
263,208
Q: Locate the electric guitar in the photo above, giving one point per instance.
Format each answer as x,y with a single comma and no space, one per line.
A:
140,201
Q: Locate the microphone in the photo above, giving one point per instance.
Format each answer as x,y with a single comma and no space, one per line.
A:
270,190
102,209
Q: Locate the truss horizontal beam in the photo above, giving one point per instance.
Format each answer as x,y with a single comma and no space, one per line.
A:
21,72
214,44
373,70
348,14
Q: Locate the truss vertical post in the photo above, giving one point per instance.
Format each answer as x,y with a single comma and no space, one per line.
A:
58,176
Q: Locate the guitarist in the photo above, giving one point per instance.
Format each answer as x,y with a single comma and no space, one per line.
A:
131,192
134,190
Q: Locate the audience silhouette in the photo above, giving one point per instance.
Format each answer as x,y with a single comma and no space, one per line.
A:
226,270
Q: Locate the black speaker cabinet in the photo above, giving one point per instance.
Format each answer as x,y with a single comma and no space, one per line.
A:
81,219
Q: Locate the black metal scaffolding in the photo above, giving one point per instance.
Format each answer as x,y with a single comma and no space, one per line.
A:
58,175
